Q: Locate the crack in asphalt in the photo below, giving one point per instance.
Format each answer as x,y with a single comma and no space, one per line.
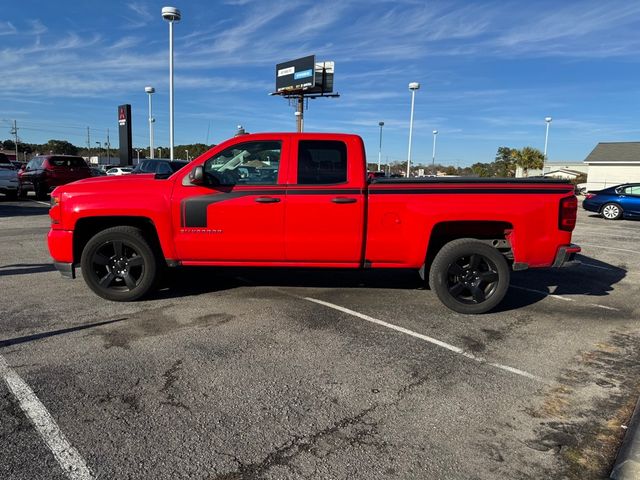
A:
299,444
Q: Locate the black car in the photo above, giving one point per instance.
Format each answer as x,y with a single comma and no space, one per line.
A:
159,166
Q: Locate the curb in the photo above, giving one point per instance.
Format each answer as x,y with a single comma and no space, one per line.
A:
627,466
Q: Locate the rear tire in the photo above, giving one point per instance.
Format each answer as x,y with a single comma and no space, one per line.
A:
119,264
611,211
41,191
469,276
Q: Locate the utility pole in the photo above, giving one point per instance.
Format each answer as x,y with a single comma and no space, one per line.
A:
88,141
14,132
108,148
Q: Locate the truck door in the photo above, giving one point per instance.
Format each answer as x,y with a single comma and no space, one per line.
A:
324,216
238,215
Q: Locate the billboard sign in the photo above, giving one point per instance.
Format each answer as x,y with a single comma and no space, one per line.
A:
296,75
124,130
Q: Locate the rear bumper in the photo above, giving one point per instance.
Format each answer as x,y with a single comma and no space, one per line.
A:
566,256
66,269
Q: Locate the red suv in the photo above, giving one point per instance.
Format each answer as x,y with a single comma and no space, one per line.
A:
45,172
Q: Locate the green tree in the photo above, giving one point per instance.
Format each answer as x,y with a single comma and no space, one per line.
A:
505,163
61,147
528,158
481,169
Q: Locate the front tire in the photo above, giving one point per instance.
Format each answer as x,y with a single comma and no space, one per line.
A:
119,264
469,276
611,211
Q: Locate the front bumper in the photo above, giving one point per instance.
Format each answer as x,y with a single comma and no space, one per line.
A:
60,244
566,256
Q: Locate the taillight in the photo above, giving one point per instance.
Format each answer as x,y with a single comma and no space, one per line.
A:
568,213
589,195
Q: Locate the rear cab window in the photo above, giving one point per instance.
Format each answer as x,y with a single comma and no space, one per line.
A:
322,162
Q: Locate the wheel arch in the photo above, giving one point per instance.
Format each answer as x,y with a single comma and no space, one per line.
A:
86,228
493,232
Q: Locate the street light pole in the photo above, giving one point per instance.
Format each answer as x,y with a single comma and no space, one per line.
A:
171,14
381,124
413,86
433,155
150,91
546,141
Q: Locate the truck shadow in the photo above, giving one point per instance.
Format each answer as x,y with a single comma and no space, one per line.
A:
591,278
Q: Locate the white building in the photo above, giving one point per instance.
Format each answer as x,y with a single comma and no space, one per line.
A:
567,170
613,163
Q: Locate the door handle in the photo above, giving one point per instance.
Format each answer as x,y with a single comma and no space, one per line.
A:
344,200
267,200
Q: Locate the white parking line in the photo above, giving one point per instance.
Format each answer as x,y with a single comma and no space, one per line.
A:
426,338
41,203
560,297
68,457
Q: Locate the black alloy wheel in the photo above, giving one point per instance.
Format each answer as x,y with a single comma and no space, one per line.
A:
469,276
119,264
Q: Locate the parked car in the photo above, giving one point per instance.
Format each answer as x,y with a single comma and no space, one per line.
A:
159,165
97,172
317,210
8,178
43,173
119,171
621,201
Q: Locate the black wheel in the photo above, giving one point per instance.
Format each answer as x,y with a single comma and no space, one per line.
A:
119,264
469,276
611,211
41,190
12,195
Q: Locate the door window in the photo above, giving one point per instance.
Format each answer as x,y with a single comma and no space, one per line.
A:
633,190
250,163
322,162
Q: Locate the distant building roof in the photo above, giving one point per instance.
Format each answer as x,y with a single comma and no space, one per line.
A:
615,152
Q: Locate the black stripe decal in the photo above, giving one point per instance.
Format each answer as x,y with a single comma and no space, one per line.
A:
435,191
193,210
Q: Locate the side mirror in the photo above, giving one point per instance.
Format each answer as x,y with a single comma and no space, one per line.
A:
196,176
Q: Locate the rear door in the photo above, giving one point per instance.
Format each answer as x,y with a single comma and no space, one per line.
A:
325,203
236,218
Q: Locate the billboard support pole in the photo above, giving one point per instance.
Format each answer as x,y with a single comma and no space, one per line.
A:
300,114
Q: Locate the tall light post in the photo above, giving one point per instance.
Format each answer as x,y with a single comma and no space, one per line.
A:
380,124
150,91
433,154
413,86
546,141
171,14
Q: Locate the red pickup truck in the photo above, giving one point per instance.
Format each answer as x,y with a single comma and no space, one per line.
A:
304,200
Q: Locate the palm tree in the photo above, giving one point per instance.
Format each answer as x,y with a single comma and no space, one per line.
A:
528,158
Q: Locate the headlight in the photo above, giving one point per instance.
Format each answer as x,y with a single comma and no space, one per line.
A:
55,200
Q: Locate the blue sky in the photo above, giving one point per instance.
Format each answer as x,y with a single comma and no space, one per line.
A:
490,71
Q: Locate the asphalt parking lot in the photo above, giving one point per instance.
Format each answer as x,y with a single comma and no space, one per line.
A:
275,374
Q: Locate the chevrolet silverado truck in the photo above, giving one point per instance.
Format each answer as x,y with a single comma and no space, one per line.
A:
305,200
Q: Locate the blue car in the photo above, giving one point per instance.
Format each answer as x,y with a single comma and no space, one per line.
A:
615,202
